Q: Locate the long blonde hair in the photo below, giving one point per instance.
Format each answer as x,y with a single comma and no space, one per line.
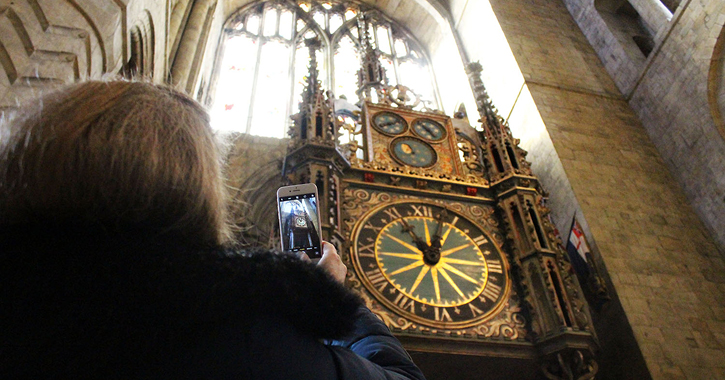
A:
119,154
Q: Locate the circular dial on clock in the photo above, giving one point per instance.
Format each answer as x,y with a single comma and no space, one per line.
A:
389,123
412,151
429,129
430,264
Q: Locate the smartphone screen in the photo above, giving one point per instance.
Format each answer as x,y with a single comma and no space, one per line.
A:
299,224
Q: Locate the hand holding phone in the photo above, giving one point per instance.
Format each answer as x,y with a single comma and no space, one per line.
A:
332,263
299,219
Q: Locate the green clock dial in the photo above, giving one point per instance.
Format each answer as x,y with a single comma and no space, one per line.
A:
455,278
430,264
389,123
429,129
413,152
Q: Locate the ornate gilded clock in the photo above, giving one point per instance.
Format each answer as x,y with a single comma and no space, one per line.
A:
430,264
420,216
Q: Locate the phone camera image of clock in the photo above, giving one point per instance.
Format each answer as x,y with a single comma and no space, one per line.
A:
429,129
430,264
389,123
299,224
412,151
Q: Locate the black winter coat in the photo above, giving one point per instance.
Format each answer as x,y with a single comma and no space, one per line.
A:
89,306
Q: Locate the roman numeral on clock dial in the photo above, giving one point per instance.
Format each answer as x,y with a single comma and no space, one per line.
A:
474,310
404,302
491,291
377,279
480,240
422,211
372,227
392,213
367,250
441,315
494,266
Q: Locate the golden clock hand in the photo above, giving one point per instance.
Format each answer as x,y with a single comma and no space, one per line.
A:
450,281
422,246
427,234
440,218
437,244
445,235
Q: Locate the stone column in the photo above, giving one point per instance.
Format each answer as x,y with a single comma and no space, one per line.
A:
178,16
190,42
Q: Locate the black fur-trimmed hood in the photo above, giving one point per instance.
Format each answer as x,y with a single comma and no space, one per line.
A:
281,285
108,287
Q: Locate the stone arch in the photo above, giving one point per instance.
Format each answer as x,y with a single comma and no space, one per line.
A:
142,48
716,84
135,64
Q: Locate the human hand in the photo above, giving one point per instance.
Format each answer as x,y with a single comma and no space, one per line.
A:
332,263
303,256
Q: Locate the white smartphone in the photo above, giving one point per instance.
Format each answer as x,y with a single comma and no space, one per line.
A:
299,219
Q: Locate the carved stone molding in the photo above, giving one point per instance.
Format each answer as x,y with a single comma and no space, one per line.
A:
44,44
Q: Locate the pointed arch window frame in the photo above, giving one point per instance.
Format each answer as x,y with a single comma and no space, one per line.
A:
329,45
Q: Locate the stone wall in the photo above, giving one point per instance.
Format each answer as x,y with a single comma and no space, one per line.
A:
596,158
676,93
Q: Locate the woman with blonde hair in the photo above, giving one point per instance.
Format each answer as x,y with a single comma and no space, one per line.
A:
117,256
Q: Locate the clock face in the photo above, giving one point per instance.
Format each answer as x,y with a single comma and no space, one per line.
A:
300,222
413,152
389,123
429,129
430,264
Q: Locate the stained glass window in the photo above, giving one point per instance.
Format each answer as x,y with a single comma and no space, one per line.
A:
263,61
347,61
